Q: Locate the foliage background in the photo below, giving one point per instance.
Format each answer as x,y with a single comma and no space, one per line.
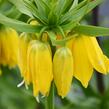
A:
12,97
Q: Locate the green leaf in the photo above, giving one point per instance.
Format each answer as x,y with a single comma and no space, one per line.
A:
92,30
72,11
12,13
69,26
60,7
43,7
67,6
18,25
92,5
80,5
75,3
52,18
33,9
5,6
21,7
78,14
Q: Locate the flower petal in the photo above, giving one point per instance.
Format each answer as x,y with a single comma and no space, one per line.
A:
82,67
94,53
106,60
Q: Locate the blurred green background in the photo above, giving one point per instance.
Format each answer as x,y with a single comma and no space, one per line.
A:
12,97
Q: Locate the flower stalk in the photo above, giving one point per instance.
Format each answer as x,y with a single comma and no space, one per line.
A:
50,98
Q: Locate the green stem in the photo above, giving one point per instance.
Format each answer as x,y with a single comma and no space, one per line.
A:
50,99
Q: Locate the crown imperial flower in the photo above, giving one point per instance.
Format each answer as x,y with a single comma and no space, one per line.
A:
87,56
24,40
39,62
8,47
63,70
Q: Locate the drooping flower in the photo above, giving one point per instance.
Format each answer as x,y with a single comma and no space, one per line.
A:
87,56
63,70
8,47
24,41
39,62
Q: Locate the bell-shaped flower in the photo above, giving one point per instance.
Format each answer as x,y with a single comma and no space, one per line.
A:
24,40
39,62
87,56
8,47
63,70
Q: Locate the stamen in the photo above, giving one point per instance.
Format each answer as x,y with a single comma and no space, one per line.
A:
20,84
37,99
42,96
26,86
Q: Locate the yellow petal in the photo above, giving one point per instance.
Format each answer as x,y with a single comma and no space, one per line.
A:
69,44
42,70
24,41
106,60
0,48
45,74
22,53
82,67
32,73
12,38
9,47
5,49
29,65
63,70
94,53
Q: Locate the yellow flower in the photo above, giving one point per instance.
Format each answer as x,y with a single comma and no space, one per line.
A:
63,70
39,61
8,47
24,41
87,56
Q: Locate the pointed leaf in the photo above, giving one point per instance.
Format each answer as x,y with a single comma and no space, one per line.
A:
21,7
72,11
35,11
75,3
67,6
18,25
92,30
78,14
70,25
60,7
43,7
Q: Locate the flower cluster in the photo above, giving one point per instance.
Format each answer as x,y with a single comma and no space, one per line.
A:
74,59
77,50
